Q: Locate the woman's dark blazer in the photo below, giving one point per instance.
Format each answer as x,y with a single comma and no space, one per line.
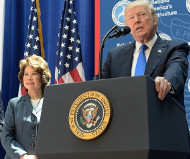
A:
20,127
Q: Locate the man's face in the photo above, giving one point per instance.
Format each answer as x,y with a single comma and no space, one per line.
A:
142,24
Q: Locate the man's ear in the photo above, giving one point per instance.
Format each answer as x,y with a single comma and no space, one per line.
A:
155,21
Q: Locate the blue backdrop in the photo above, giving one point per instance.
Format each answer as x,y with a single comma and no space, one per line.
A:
15,32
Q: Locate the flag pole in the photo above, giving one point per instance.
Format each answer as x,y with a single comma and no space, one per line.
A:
40,28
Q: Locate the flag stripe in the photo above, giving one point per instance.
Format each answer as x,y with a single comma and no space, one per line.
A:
75,75
56,75
67,78
61,80
81,71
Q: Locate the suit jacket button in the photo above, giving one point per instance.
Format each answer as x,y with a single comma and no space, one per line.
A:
33,119
33,144
33,136
33,127
177,84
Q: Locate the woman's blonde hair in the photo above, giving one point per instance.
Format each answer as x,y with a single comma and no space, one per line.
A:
40,65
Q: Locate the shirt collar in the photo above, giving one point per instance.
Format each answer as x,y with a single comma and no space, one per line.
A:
149,44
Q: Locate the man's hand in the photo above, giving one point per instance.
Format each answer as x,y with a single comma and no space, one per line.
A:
162,87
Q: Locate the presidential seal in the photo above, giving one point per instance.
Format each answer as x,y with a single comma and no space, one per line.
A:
118,12
89,115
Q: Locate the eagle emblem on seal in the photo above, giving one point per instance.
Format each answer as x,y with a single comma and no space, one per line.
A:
89,112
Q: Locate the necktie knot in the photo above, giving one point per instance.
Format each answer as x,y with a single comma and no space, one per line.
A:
144,47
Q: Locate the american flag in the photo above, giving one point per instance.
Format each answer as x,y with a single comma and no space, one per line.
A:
32,45
69,67
34,40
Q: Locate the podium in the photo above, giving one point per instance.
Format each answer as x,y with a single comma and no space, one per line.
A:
142,126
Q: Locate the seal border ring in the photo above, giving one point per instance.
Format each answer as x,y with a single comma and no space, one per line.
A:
107,109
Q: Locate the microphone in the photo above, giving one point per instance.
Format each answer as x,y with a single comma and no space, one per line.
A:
116,33
120,32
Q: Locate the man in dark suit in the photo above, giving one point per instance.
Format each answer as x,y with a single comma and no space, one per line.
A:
1,114
166,61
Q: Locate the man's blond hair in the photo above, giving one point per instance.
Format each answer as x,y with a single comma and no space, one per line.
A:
141,3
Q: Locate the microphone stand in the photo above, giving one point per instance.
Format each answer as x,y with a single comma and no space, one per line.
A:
101,50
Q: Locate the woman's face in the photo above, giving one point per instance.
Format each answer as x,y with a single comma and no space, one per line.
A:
32,80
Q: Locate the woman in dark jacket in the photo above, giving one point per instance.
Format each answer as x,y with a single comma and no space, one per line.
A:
23,113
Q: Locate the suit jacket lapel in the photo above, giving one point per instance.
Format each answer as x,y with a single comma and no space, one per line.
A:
155,55
29,106
127,60
27,102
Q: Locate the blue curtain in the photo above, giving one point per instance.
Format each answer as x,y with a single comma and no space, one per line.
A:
16,22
